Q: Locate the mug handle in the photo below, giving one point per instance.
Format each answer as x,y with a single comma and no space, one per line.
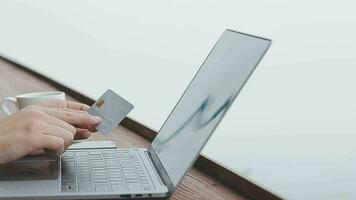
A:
6,100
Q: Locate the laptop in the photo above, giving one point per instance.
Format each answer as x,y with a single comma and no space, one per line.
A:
110,173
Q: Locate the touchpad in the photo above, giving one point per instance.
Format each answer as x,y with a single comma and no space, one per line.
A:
30,177
42,167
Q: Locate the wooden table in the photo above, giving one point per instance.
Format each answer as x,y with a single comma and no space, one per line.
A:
15,79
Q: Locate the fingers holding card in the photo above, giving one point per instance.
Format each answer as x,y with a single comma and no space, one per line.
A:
112,109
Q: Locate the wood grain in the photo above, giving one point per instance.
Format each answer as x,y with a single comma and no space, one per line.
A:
196,185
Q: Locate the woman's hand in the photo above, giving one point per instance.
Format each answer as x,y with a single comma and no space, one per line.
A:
73,113
50,125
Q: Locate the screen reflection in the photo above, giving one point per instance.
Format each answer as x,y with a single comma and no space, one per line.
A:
206,100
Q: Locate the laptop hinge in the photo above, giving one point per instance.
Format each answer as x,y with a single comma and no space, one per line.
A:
160,169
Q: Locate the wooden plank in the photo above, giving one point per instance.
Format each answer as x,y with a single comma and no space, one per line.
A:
196,185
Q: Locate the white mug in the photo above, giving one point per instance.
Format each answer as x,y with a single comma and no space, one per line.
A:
23,100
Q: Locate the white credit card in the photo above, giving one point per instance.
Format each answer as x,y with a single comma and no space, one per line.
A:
112,109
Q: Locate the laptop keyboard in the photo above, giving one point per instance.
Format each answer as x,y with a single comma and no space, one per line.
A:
103,171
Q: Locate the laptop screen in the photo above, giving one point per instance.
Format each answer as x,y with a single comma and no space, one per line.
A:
205,101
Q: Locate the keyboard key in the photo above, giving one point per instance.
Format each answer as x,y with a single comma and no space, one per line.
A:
118,187
85,186
81,153
134,186
146,187
102,187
